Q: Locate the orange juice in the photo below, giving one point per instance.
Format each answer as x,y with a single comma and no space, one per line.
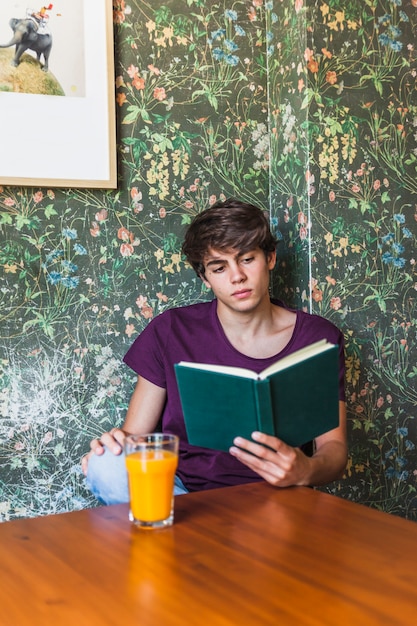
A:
151,483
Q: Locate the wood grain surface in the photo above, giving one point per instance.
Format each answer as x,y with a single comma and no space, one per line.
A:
250,555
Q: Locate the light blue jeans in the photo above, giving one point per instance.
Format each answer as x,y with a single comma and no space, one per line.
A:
107,478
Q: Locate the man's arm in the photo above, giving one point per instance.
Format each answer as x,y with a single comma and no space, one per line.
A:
285,466
145,409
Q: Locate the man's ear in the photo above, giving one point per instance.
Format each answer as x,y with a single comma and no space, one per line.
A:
272,259
205,281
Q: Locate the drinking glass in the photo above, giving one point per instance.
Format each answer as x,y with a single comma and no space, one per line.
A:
151,462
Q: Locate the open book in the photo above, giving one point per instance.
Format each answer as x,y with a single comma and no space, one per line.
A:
295,399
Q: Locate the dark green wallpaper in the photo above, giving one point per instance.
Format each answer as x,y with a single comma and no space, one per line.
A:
309,111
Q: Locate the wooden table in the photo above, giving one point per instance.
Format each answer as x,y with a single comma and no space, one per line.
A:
248,556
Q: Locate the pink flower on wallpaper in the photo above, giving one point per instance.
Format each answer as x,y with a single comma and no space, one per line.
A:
159,93
95,229
298,5
132,71
147,312
331,78
126,249
335,304
129,330
138,83
101,215
125,235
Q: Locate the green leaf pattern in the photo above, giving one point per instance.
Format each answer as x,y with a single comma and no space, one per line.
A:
306,108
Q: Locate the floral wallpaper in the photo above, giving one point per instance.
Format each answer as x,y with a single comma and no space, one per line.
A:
345,180
308,109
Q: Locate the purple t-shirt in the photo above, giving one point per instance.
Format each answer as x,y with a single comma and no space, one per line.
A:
194,333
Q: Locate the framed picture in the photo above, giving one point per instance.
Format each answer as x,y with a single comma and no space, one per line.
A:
57,102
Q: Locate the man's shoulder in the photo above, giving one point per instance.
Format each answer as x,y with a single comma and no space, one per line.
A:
312,327
319,327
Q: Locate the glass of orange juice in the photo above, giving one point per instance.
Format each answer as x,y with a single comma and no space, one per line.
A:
151,462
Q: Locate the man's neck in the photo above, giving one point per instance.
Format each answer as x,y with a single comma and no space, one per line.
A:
261,333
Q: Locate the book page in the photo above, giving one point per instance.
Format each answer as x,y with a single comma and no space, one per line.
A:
296,357
288,361
221,369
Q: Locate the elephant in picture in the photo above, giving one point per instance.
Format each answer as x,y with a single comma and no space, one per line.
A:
26,37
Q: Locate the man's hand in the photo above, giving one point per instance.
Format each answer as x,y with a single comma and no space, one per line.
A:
284,466
279,464
113,440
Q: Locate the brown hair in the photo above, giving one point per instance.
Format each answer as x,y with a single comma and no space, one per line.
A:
227,225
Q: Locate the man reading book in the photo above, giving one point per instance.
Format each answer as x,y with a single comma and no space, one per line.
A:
232,250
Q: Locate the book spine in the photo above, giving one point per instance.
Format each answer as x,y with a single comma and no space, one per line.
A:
264,407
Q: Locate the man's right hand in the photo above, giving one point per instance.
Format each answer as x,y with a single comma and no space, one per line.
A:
113,441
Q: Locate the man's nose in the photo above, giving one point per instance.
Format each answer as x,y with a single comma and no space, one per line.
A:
237,274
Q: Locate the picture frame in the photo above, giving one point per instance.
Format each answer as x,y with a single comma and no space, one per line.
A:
64,134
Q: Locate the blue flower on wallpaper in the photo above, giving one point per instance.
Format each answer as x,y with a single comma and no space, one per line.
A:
53,256
390,472
392,256
70,282
398,248
396,45
239,30
54,278
65,268
395,32
275,229
68,266
217,34
69,233
384,20
231,59
231,15
389,259
230,45
390,37
391,453
401,461
218,54
79,249
384,39
399,218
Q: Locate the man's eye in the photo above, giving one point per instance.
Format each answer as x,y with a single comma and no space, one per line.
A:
248,259
218,270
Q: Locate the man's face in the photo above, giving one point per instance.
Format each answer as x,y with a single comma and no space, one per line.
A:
239,280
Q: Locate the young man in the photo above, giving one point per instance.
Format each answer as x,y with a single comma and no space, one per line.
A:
231,248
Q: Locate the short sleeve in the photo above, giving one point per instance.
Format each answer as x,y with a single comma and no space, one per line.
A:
146,354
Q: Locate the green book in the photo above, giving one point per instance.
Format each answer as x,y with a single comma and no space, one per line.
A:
295,399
